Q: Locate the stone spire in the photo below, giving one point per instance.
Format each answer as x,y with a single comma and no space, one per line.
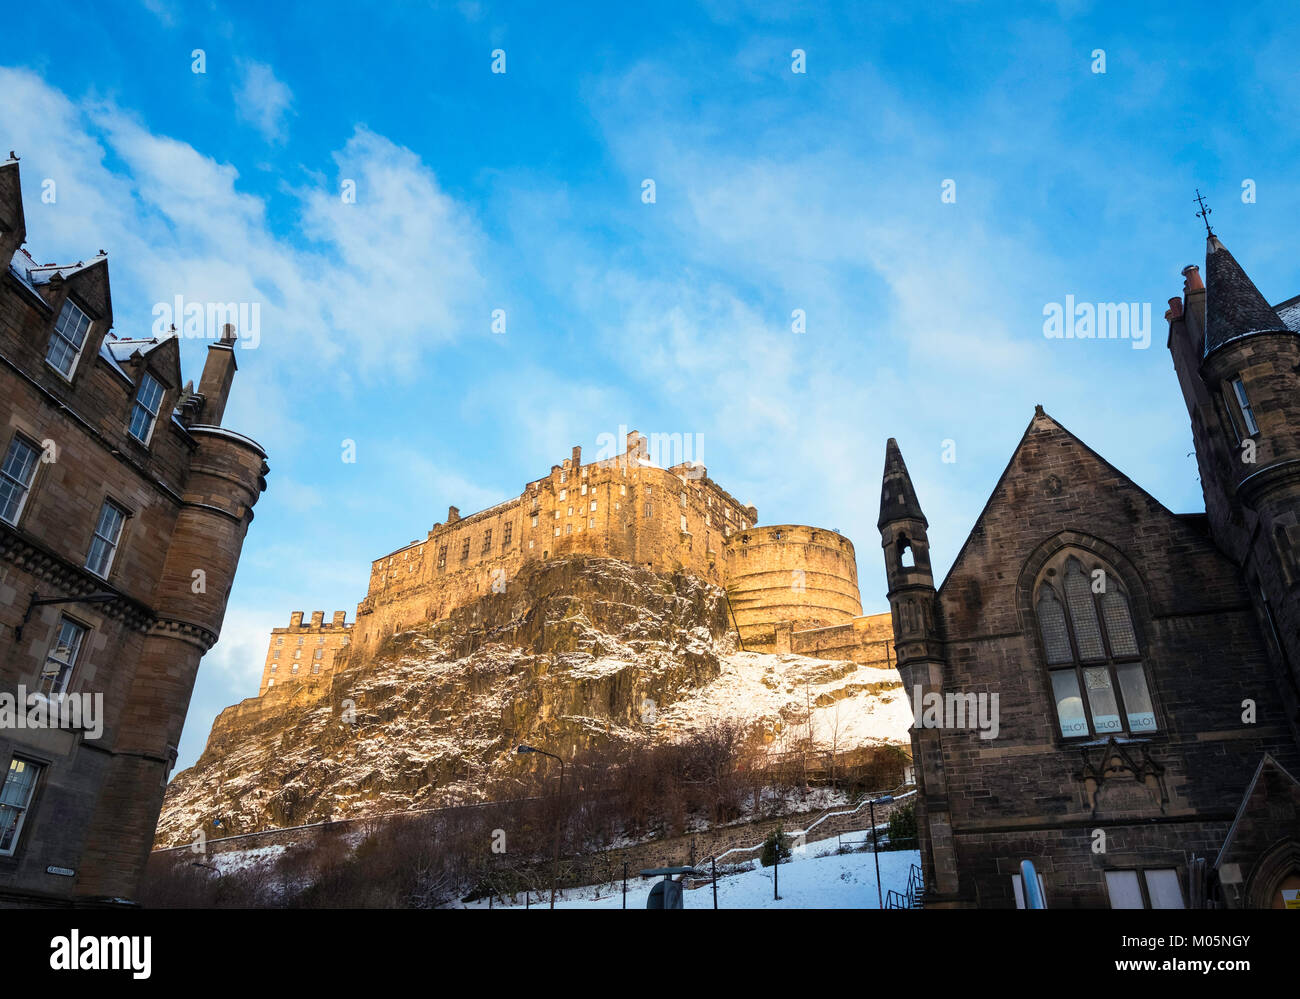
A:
897,497
1233,305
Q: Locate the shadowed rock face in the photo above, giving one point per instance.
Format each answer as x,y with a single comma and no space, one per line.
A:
566,657
570,657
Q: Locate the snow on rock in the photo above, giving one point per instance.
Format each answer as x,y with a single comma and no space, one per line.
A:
569,658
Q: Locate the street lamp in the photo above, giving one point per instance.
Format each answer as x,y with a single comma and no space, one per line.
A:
555,873
875,846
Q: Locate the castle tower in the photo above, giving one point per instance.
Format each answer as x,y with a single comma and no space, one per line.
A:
912,601
1239,367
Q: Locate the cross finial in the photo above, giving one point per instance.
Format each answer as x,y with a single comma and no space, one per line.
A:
1204,213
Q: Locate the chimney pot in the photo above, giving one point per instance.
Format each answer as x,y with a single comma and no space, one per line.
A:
1192,278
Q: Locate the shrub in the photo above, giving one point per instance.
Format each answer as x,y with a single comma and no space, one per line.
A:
777,844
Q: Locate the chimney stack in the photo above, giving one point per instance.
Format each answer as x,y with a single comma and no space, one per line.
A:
295,619
218,374
453,514
339,618
317,618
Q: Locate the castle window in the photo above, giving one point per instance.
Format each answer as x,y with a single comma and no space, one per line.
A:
593,506
776,535
295,668
557,531
275,654
683,522
683,500
274,667
103,545
647,511
591,522
464,550
487,541
15,800
570,511
279,641
568,528
318,654
584,489
557,514
270,683
300,639
16,478
1094,663
68,338
622,490
315,667
1243,406
563,493
534,520
297,653
62,658
505,538
530,546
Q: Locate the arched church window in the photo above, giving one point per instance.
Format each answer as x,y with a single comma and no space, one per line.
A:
1094,662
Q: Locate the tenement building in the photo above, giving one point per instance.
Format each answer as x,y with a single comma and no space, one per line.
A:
1105,688
123,509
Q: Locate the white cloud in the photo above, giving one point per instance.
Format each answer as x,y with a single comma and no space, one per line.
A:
262,100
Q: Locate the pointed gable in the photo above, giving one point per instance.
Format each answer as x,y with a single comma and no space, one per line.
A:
1056,485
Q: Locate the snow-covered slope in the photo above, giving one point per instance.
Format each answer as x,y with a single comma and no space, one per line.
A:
582,654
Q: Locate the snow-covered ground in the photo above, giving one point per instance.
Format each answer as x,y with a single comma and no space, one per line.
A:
837,881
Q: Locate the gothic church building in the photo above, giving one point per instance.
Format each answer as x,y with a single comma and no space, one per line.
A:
1146,664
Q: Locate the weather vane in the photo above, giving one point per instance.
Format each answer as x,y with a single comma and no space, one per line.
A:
1204,213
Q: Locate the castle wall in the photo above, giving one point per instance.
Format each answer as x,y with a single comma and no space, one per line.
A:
304,652
788,572
620,507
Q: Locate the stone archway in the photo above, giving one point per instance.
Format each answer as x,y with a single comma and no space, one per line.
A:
1278,868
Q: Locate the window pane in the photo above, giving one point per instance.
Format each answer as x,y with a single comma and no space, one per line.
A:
1164,890
15,477
1051,620
1124,890
1137,699
15,797
1083,612
1101,698
1119,623
1069,706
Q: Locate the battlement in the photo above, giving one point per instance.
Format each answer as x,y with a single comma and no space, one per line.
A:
664,515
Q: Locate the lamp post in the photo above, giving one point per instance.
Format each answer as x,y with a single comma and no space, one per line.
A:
555,873
875,845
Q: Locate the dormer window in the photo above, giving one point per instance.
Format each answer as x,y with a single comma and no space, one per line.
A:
144,412
68,338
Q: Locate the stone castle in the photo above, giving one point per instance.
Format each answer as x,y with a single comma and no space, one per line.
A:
790,587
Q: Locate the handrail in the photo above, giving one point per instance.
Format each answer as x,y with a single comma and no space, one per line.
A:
813,825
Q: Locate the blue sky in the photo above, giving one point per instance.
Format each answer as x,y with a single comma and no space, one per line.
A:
775,191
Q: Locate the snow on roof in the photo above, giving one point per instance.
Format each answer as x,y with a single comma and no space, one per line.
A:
1289,313
124,348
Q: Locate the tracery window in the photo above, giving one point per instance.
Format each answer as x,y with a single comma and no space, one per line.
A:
1094,663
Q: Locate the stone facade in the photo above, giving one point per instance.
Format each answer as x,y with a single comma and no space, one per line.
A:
305,652
791,587
1144,662
123,509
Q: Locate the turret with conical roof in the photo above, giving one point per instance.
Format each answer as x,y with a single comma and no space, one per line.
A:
1238,363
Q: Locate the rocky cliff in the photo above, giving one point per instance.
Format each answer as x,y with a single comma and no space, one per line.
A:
577,654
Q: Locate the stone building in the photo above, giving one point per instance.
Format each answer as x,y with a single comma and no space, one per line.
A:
123,509
791,587
1142,750
305,652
